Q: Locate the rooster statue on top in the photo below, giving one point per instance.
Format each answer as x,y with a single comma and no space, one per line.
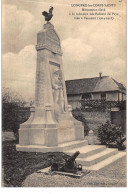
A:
49,15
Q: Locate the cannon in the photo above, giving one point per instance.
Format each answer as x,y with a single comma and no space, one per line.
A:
120,143
68,165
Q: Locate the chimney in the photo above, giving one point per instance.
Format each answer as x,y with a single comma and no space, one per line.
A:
100,75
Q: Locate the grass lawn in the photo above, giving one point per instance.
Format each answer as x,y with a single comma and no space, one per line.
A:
18,165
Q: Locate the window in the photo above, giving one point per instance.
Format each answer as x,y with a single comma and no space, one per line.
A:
87,96
103,96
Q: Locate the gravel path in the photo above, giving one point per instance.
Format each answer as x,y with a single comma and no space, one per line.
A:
113,175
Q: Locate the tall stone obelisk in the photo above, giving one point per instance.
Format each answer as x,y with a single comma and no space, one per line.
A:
51,122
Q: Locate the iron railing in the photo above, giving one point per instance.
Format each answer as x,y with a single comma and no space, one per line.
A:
98,104
102,104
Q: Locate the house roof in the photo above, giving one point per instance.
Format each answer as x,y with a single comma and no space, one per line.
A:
120,85
95,84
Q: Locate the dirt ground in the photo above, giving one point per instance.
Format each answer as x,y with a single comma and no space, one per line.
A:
113,175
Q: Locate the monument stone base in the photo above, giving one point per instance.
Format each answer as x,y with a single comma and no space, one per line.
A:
60,148
67,133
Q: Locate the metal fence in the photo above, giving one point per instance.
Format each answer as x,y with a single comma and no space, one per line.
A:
99,104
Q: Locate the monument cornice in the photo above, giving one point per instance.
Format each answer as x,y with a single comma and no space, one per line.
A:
46,46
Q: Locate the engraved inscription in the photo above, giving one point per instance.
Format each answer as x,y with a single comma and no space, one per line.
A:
41,85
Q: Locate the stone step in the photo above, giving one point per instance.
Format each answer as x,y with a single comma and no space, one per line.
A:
60,148
74,144
105,162
87,150
91,160
8,136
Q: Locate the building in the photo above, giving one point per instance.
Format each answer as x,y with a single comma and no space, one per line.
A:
93,94
98,88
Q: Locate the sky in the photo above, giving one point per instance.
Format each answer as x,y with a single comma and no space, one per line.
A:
89,47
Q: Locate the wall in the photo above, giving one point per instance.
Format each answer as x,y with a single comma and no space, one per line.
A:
120,96
112,96
73,100
94,118
116,117
96,96
109,96
119,118
123,120
124,96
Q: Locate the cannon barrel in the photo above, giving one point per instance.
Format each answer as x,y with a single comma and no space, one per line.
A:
74,156
123,139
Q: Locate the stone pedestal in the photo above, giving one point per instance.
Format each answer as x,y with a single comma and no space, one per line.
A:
91,140
51,122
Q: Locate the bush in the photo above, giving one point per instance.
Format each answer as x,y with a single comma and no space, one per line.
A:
108,133
77,114
13,111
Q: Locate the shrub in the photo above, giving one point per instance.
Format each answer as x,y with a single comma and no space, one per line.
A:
108,133
77,114
13,111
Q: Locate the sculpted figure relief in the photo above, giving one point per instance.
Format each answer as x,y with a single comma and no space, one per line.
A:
58,91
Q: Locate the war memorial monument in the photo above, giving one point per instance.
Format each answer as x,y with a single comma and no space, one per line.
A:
51,126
